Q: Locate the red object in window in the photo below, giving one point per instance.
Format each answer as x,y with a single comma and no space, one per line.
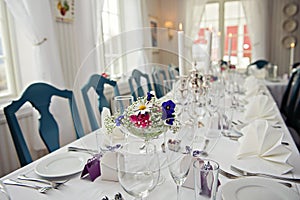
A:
234,31
201,36
247,43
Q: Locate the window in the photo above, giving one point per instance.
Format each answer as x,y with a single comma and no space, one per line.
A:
111,27
227,21
7,86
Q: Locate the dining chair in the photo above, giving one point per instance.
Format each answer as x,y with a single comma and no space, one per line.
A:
172,72
40,95
259,64
137,76
286,106
158,77
293,112
97,82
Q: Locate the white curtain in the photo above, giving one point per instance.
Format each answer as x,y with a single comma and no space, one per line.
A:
193,13
36,22
257,16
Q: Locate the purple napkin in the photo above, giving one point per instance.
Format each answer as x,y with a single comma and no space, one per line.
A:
92,168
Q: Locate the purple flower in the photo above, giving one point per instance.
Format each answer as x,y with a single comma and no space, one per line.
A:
119,120
149,96
168,109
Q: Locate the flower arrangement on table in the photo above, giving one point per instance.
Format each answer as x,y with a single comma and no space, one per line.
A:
145,118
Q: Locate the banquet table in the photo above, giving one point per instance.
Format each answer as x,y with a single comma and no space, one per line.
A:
221,149
277,89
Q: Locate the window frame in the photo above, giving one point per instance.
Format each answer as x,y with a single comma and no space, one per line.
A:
108,55
222,24
10,53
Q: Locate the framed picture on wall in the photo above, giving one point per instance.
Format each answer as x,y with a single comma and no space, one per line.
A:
64,10
153,25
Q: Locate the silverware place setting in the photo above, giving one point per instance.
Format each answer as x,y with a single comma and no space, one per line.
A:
246,173
21,184
53,184
232,176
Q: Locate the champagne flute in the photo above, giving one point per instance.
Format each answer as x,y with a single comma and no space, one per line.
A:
179,154
138,169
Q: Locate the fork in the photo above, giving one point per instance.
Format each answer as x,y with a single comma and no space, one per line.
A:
17,183
228,175
246,173
232,176
54,184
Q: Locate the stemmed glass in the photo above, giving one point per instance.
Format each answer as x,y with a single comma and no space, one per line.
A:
138,169
120,103
179,154
181,93
168,87
3,192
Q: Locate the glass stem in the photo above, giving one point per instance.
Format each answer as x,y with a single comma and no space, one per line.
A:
178,192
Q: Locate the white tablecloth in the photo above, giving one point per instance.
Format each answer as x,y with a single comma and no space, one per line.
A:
221,149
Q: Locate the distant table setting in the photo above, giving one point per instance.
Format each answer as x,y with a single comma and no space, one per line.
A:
181,154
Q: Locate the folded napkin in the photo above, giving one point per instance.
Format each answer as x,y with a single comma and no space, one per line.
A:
109,167
260,139
261,107
117,133
105,113
252,86
250,81
258,73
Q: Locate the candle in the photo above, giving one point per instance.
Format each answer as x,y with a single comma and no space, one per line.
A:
209,43
180,50
292,54
229,46
219,46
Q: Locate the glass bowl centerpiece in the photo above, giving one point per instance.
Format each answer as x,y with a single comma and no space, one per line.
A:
146,118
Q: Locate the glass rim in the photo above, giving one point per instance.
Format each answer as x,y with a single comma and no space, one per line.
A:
123,97
217,166
153,149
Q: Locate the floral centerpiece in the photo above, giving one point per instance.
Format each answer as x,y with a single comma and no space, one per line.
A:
145,118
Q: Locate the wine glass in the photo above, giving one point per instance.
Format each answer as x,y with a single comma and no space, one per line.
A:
179,154
3,192
120,103
138,169
168,87
181,93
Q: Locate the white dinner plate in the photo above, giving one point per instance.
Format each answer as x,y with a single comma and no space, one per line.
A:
257,188
63,164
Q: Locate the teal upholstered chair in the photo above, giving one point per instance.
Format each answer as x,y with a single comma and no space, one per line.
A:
137,77
259,64
292,107
173,72
286,106
40,95
158,77
97,82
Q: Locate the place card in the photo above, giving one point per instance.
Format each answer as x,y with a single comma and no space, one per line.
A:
92,168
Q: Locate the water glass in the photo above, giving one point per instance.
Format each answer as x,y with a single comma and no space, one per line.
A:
3,192
206,174
120,103
138,168
226,120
